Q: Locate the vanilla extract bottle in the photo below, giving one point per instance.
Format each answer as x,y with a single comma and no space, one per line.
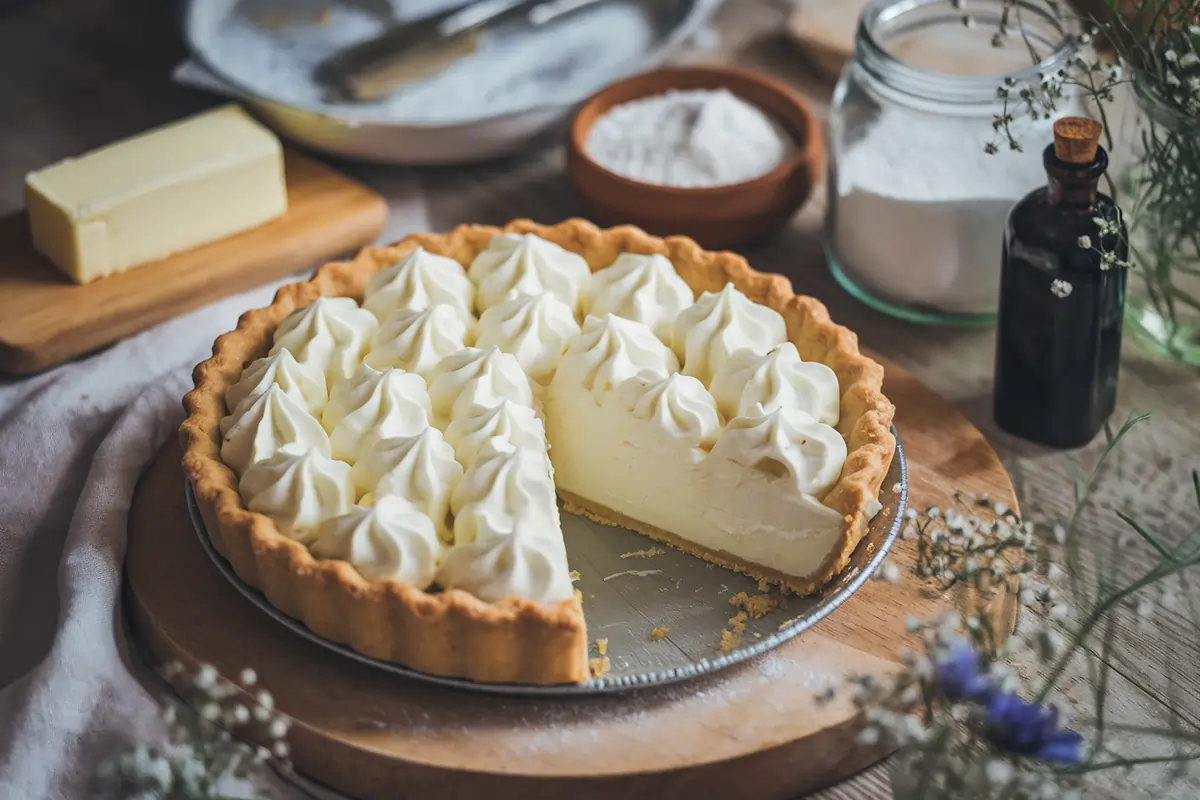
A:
1062,295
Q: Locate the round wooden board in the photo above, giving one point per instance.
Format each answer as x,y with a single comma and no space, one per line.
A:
753,731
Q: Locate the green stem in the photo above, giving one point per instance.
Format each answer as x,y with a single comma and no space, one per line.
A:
1098,613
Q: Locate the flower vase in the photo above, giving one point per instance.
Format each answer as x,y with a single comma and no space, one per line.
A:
1162,308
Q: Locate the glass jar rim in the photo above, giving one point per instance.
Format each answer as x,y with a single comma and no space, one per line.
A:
1158,107
942,87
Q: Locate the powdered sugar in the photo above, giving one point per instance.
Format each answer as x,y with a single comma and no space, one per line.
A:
693,138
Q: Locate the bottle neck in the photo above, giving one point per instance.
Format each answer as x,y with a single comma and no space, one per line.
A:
1073,185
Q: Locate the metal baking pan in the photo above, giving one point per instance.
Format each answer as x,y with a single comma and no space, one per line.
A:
361,133
625,596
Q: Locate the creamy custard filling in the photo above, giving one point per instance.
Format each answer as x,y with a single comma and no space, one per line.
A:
693,420
605,456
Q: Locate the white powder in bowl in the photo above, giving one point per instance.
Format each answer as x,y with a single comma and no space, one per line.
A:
688,139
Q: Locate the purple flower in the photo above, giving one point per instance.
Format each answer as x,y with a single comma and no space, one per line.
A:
958,675
1027,729
1011,724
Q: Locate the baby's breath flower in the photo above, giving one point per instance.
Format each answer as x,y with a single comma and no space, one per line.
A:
248,677
280,749
999,773
1085,242
265,700
278,728
206,677
868,736
1060,288
210,712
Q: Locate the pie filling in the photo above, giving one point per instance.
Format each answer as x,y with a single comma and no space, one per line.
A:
423,444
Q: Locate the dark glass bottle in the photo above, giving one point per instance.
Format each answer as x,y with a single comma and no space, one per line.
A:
1058,337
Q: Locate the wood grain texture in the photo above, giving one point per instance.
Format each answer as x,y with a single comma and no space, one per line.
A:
824,32
86,72
366,732
46,319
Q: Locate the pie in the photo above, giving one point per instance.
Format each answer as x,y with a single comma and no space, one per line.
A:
382,450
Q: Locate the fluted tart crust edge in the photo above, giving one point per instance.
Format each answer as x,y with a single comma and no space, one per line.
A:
453,633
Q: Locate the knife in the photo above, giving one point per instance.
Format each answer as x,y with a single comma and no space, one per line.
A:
402,54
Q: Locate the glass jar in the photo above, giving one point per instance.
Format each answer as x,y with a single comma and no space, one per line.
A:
1163,305
917,203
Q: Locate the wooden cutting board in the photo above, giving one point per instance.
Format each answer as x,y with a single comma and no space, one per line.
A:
46,319
754,731
824,32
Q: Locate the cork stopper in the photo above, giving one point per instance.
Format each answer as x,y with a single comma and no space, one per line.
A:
1076,139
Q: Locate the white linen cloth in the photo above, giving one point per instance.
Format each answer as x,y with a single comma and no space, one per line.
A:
73,442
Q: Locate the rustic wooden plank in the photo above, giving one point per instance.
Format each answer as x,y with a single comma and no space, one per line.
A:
83,73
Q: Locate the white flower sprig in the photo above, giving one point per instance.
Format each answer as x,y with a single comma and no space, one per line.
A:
1112,232
972,715
200,757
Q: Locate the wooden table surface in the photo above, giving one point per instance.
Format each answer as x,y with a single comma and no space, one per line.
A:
75,74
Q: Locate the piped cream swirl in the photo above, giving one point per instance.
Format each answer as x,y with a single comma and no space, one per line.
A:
266,423
644,288
786,444
372,405
720,324
332,333
391,540
299,489
418,281
420,468
527,264
533,327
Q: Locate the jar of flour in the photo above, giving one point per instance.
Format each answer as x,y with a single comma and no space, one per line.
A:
917,204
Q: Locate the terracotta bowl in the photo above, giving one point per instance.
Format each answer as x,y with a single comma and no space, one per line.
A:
720,217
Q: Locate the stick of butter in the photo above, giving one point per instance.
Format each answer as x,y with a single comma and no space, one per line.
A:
161,192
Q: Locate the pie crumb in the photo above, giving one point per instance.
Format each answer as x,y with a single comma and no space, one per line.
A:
729,641
599,667
602,646
738,622
647,553
573,575
764,585
659,633
757,607
579,596
783,626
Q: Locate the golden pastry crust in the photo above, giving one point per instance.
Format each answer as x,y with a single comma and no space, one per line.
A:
453,633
